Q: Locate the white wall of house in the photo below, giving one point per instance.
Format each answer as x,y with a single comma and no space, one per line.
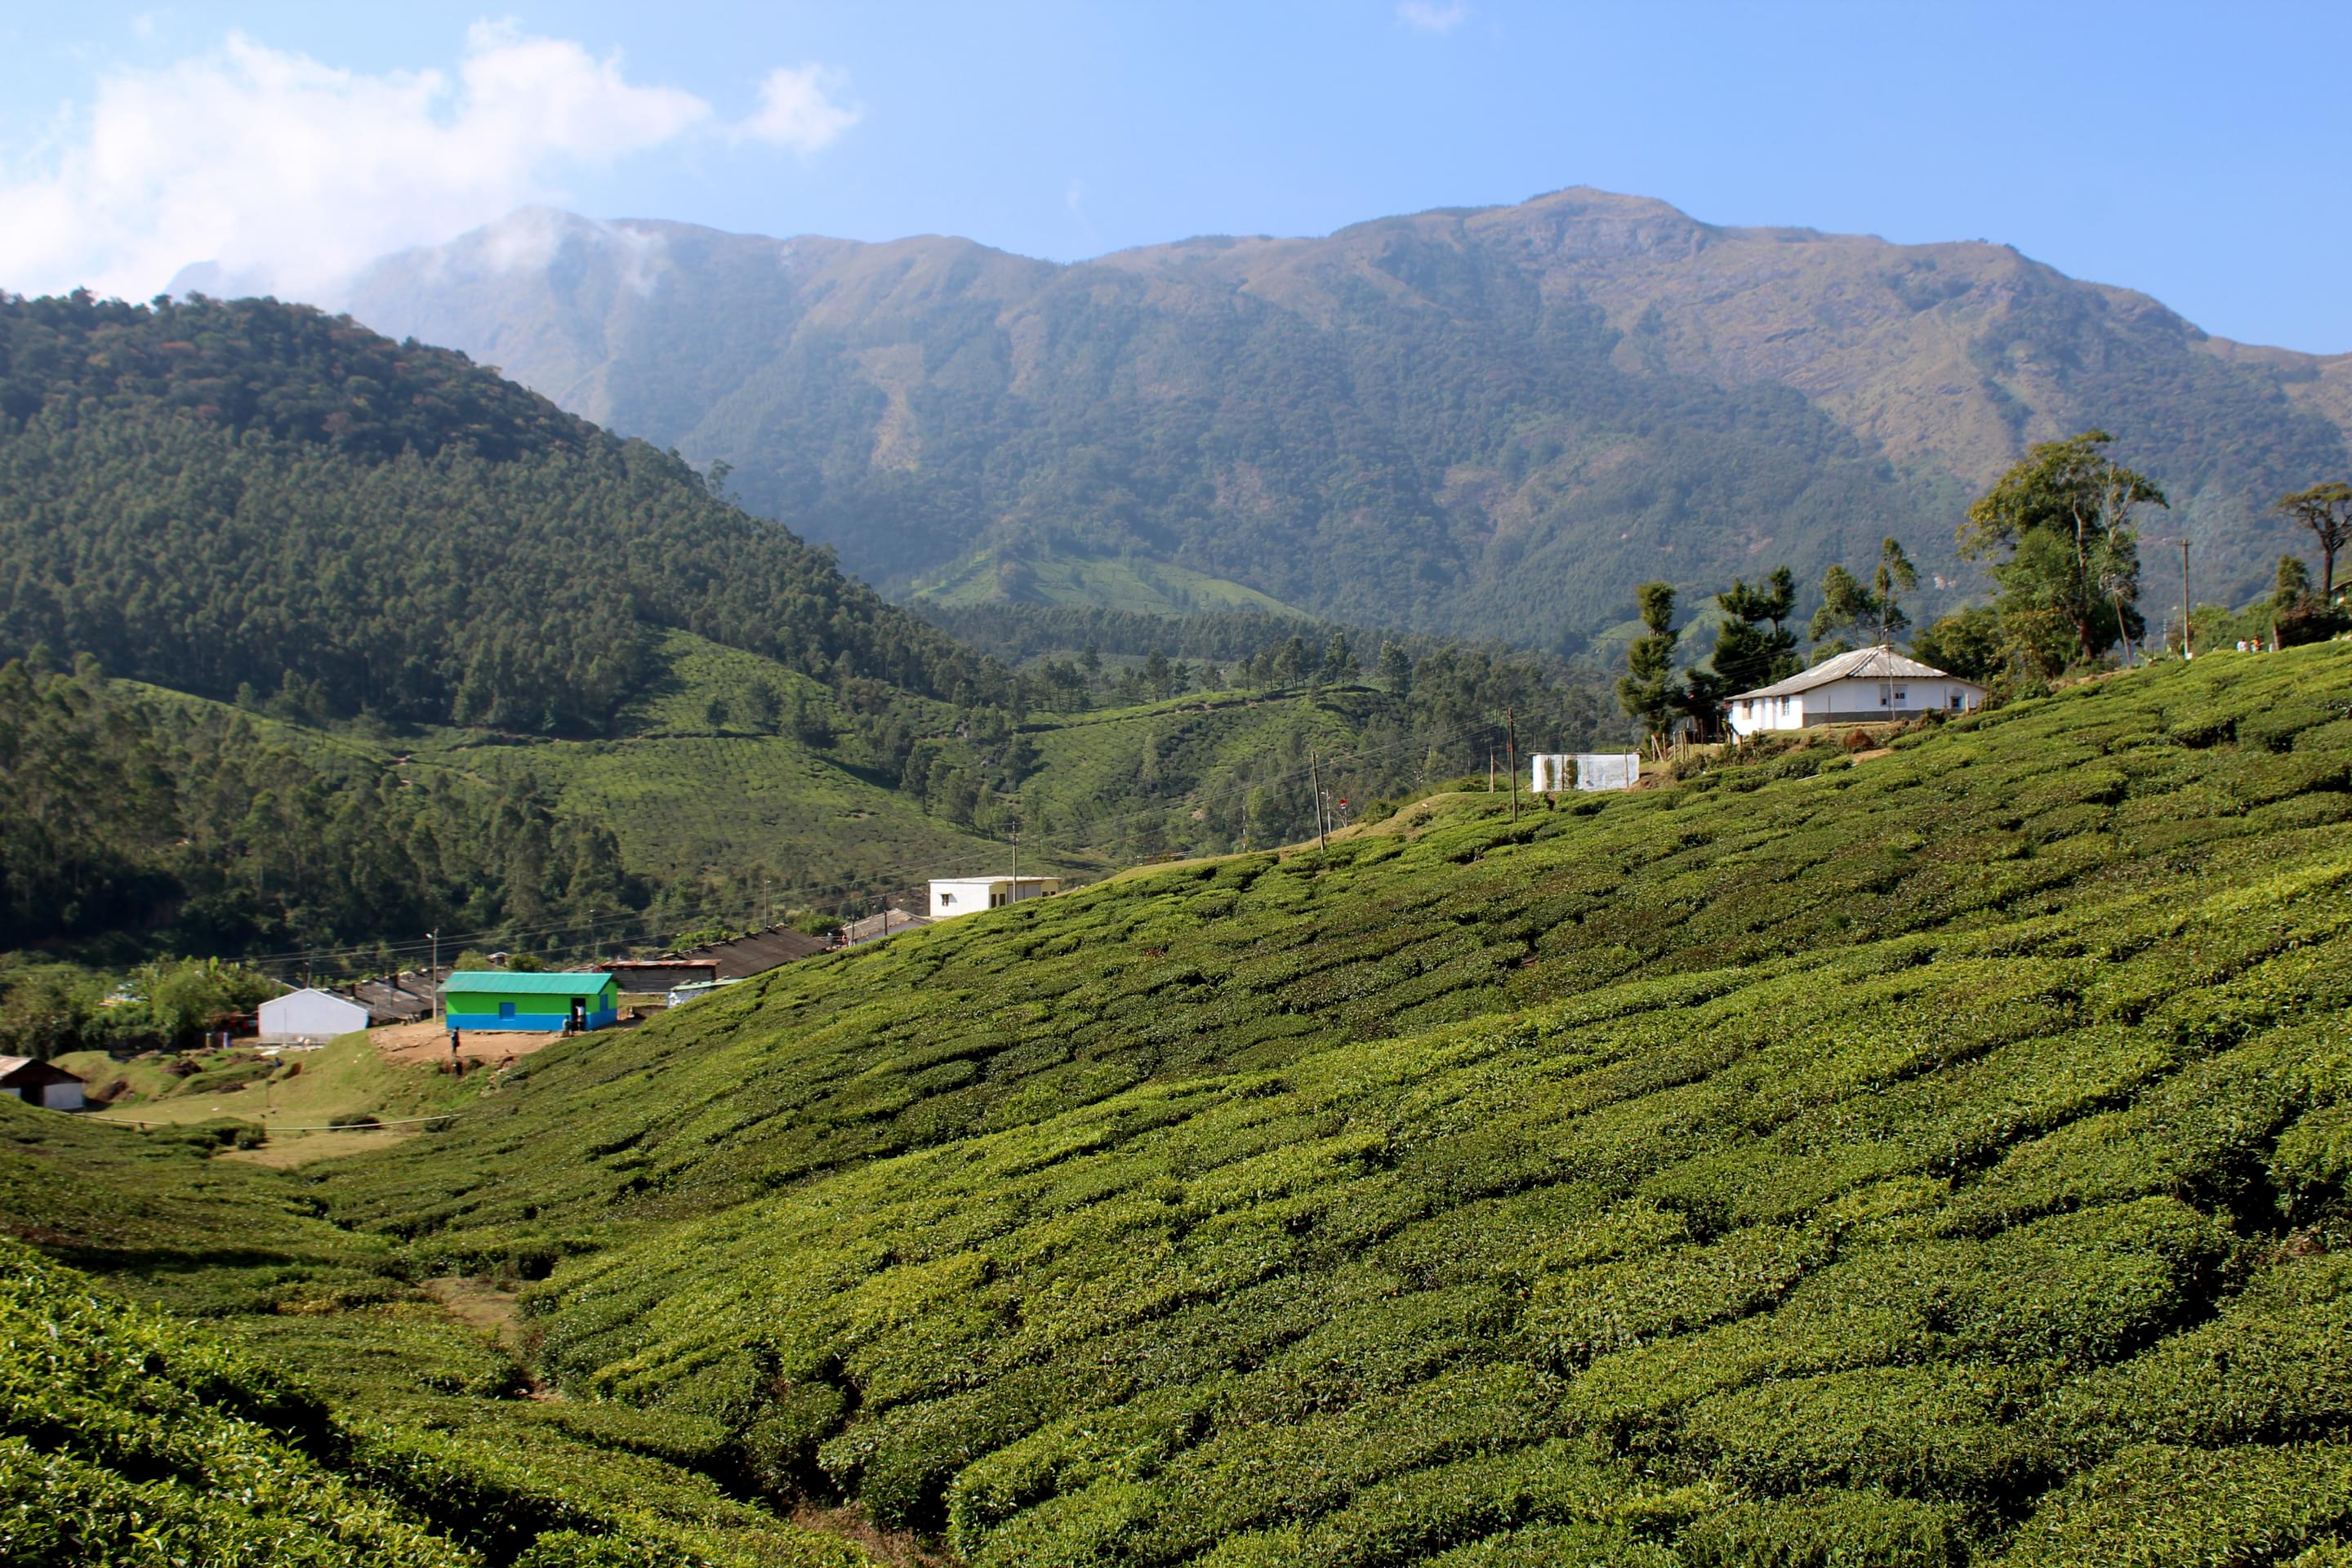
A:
952,896
310,1015
48,1095
1855,702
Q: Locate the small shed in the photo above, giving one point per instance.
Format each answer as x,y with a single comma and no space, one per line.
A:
954,896
1557,772
498,999
310,1015
40,1083
1868,686
679,995
875,927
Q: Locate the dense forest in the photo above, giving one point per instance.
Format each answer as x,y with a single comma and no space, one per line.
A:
256,496
194,827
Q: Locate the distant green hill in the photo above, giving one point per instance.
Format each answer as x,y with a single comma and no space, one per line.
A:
1478,422
254,496
736,820
1930,1158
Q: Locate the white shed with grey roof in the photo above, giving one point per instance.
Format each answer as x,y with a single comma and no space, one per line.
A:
1868,686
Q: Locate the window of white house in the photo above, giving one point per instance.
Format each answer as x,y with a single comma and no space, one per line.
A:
1901,695
946,898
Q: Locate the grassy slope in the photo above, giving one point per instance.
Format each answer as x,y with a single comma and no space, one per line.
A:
1934,1159
681,795
306,1089
322,1412
1087,758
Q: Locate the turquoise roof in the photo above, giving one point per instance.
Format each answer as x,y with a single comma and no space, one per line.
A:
585,983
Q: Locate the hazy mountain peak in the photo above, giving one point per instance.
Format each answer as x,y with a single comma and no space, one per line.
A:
1490,419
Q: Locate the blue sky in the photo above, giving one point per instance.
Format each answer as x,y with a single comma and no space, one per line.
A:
2164,147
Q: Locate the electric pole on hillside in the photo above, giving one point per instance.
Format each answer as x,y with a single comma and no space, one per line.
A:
1511,744
1315,780
2188,647
435,976
1016,849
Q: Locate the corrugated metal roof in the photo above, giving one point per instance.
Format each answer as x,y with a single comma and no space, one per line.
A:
1880,663
754,954
566,984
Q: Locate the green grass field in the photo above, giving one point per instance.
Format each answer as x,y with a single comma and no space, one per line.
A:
289,1099
1938,1159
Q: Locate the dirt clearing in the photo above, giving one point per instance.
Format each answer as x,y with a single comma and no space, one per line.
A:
426,1042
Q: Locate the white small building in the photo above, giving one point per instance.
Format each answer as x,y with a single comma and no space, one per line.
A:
1868,686
308,1015
1557,772
44,1084
952,896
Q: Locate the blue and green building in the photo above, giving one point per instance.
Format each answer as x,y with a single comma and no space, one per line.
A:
493,999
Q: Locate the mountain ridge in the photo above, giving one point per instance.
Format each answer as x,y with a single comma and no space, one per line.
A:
1486,421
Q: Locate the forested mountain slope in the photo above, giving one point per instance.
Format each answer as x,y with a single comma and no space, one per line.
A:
213,496
1932,1158
1485,421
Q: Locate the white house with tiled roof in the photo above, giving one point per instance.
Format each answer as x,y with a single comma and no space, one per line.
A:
1868,686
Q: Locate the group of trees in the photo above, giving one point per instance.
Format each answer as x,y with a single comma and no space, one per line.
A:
2059,535
164,1003
255,498
192,829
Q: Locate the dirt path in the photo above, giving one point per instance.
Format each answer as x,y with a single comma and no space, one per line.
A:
426,1042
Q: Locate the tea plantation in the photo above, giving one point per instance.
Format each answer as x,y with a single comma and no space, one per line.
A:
1937,1158
299,1403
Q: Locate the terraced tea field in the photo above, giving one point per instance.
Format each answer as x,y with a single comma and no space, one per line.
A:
291,1398
1934,1160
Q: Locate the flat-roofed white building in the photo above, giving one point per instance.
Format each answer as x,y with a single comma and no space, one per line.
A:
1557,772
952,896
1868,686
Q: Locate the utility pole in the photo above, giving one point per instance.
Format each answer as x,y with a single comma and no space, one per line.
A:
1511,738
1017,851
2186,648
1315,778
1490,769
436,977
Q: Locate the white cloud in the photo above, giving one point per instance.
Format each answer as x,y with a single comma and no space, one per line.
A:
1074,198
800,109
1429,17
291,174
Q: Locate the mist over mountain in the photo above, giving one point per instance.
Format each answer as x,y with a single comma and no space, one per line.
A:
1483,421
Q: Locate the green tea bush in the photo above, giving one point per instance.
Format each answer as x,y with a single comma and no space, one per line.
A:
2153,1507
1828,1529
